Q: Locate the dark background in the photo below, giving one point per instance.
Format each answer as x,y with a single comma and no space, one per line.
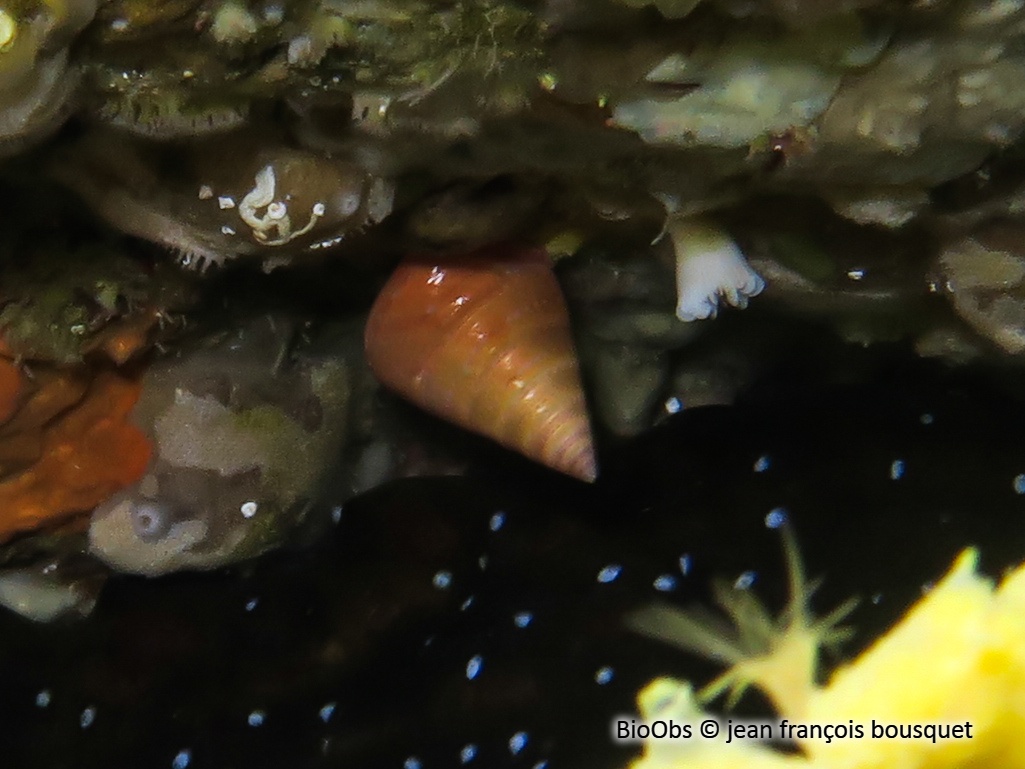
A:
356,622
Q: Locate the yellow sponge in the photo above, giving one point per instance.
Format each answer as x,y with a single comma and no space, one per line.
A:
957,659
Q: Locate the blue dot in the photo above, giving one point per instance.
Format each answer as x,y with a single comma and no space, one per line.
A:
1019,484
482,562
673,405
897,469
256,718
87,717
251,603
473,667
522,618
685,564
336,514
609,573
542,764
762,464
43,698
327,711
603,675
776,517
518,742
467,603
442,580
745,580
182,759
468,753
665,583
412,763
497,521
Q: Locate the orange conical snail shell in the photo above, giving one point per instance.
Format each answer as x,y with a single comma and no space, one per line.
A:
483,340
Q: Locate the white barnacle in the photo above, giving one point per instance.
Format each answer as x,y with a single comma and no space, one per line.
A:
275,218
709,265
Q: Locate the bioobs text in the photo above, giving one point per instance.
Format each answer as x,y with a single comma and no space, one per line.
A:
631,730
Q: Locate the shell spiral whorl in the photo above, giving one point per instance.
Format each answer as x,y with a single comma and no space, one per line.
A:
483,340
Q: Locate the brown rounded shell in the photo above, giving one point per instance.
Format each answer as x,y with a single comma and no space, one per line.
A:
483,340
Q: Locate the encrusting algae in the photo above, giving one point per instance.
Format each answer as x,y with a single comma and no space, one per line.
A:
956,659
65,443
